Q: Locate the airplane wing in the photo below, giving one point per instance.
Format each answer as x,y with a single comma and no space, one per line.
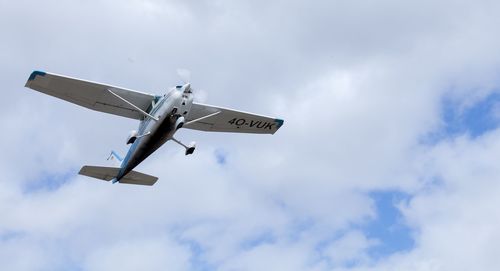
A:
92,95
229,120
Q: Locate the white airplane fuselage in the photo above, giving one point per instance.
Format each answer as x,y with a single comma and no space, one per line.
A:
170,110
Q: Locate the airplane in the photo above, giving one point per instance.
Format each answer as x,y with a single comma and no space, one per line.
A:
160,118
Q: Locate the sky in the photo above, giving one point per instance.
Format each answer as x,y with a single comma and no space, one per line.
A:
387,160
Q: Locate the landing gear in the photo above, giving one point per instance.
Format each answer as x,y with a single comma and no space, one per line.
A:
178,118
189,148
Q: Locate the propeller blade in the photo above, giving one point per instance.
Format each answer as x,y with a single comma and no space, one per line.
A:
184,75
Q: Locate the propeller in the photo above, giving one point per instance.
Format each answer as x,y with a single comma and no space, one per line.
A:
184,75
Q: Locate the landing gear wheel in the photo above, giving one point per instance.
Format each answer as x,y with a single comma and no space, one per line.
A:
190,148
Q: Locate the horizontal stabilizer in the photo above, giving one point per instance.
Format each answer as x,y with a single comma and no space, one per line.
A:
109,173
135,177
102,173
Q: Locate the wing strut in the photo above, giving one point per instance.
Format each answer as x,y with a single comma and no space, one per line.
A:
133,105
202,118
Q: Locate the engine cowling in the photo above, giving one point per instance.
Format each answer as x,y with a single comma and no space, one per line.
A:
132,136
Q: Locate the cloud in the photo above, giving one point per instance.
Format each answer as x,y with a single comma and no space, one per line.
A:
359,85
153,254
349,249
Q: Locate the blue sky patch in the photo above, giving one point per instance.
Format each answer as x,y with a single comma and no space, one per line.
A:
474,120
10,235
220,156
50,181
196,260
265,237
388,227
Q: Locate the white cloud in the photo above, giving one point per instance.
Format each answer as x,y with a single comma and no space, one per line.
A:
351,248
358,84
150,254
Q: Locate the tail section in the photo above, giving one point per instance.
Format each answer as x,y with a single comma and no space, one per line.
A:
110,173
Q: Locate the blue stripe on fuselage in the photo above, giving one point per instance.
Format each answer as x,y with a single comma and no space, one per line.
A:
127,158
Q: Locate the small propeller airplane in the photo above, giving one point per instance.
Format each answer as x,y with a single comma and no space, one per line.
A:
160,117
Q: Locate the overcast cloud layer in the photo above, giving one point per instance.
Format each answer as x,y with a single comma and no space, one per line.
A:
388,158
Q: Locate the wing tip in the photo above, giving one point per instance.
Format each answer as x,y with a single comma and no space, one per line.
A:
33,75
279,122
